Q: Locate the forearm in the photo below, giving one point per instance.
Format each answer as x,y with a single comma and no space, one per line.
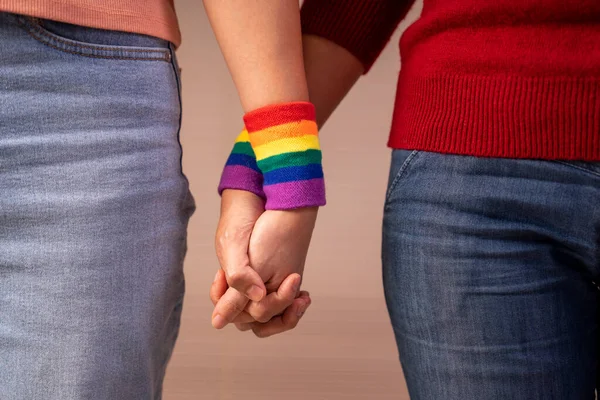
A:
342,39
262,45
331,71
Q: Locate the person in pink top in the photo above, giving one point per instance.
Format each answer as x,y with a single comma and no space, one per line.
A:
94,204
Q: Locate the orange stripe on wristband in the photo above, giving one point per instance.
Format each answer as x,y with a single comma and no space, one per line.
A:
284,131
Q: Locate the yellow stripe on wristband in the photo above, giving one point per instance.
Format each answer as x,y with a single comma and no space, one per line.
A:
288,130
288,145
243,136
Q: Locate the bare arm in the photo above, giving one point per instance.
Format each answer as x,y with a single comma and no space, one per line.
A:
262,45
331,71
271,62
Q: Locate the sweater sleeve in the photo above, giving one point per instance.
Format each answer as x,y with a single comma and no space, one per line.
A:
363,27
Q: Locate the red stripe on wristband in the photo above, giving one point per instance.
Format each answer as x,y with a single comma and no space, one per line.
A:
278,114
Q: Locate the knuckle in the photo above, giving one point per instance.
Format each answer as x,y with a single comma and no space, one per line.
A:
239,327
235,278
228,234
261,315
263,319
220,242
292,324
259,333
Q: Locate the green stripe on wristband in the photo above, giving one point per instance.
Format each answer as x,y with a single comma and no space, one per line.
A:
290,159
243,148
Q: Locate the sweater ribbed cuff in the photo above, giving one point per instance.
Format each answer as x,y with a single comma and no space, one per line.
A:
241,171
361,27
284,138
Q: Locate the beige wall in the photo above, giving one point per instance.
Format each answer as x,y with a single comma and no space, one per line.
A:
344,346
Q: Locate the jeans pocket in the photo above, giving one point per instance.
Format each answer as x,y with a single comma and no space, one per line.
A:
96,43
592,168
402,160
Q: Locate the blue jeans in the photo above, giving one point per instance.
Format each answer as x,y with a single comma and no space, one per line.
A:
490,269
93,212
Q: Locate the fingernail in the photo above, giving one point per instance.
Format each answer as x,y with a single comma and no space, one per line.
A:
255,293
302,309
218,322
216,275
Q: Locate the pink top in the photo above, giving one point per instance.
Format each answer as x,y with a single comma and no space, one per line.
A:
150,17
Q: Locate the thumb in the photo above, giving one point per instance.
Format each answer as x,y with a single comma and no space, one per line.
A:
244,279
233,256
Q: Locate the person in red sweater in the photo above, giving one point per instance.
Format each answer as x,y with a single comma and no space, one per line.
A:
491,229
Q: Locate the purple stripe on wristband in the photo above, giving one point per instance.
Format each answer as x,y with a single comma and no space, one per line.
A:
242,178
295,194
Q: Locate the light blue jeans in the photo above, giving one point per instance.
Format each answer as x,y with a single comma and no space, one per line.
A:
490,269
93,212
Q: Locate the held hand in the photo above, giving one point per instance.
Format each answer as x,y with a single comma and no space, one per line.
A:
278,247
285,319
279,244
239,212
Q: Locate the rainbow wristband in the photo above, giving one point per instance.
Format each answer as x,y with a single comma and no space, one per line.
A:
285,140
241,171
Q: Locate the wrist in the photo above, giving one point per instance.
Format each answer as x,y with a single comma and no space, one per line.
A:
236,200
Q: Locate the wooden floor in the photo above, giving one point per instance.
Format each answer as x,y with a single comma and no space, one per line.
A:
343,349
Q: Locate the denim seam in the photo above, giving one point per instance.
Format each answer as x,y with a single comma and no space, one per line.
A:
400,174
39,34
568,164
176,71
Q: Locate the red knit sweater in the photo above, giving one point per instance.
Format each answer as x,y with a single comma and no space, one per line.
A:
501,78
